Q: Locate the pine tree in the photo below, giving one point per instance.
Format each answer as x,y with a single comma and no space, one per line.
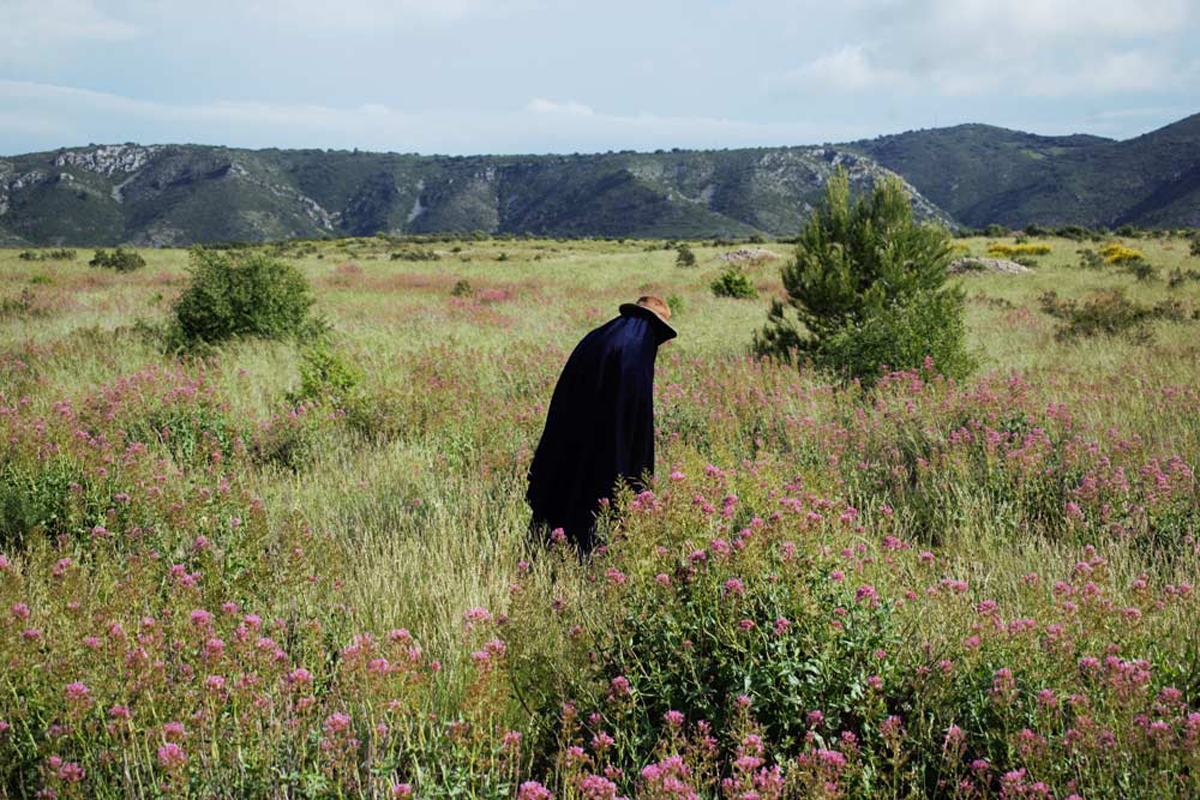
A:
868,288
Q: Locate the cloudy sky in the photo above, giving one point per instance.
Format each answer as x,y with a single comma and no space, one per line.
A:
533,76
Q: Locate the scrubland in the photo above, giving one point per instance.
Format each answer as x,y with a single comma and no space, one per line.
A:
216,582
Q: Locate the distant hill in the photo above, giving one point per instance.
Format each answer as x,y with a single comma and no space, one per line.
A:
981,174
968,174
181,194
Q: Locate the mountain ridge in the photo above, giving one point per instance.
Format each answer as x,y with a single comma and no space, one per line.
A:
982,174
971,174
182,194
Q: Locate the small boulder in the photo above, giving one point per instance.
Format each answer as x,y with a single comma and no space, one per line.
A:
973,264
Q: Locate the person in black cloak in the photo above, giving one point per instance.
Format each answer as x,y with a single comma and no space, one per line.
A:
600,426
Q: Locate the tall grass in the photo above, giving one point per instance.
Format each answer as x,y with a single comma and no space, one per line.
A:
937,589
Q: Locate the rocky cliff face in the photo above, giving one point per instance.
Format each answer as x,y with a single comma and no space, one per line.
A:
181,194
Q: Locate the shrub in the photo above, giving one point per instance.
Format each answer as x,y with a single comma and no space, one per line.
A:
1179,277
61,254
684,257
416,254
1000,250
675,303
868,285
325,375
119,260
23,306
1090,259
1195,246
1108,313
462,288
1142,269
995,230
1119,254
242,294
1076,233
696,660
733,282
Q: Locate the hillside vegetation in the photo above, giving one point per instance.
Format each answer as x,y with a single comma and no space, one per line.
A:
171,195
981,175
297,566
971,175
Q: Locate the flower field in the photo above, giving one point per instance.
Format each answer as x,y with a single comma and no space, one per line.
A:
219,580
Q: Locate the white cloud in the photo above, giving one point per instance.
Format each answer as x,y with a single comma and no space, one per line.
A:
847,69
539,105
1131,71
326,15
72,116
954,49
1049,19
47,26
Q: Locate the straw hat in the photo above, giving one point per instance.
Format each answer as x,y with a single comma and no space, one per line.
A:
654,309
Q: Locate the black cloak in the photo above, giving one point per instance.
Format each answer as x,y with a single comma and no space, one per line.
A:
600,426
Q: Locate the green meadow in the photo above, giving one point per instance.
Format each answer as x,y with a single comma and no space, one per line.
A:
220,578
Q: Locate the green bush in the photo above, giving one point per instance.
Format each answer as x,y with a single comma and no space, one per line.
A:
1109,313
699,658
119,260
1076,233
733,282
325,375
416,254
930,326
868,288
61,254
245,294
1195,246
684,257
676,304
462,288
1142,269
1090,259
22,306
1179,277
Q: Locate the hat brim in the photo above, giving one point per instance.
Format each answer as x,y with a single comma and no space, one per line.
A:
634,310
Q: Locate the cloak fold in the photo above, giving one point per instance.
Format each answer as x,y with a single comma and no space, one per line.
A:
600,425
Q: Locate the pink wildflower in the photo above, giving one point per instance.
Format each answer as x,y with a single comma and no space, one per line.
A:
532,790
70,772
337,722
171,756
78,693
